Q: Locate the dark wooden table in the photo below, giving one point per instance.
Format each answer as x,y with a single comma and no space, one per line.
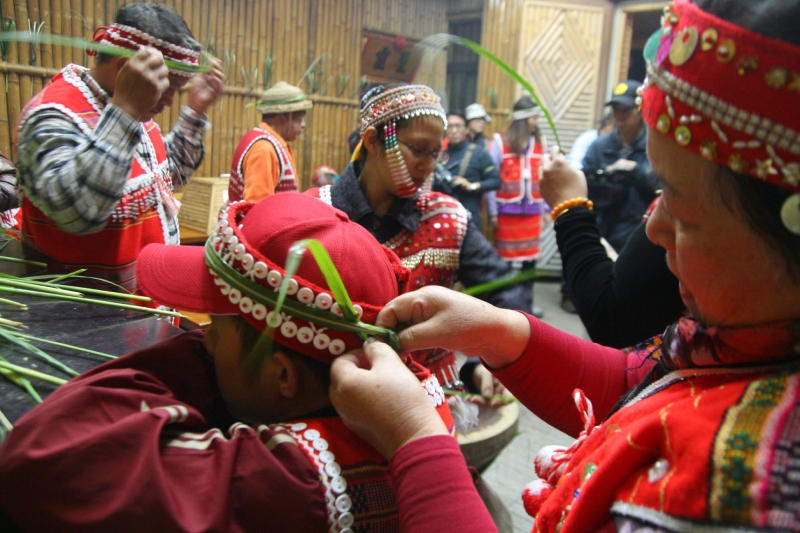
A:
103,329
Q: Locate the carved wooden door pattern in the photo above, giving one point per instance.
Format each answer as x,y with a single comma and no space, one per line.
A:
560,54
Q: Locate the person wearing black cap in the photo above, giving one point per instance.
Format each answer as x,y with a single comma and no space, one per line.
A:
618,171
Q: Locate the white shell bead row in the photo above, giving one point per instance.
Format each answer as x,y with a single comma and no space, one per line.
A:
230,250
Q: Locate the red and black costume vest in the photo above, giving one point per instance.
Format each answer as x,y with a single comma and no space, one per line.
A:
140,217
286,181
432,255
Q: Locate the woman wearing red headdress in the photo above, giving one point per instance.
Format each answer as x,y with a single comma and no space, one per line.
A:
382,189
705,435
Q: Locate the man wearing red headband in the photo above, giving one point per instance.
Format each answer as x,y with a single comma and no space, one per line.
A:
224,431
96,173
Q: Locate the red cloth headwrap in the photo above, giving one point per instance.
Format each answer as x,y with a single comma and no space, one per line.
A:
727,94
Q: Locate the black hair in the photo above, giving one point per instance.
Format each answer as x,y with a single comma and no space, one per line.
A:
758,202
159,20
250,335
776,19
458,113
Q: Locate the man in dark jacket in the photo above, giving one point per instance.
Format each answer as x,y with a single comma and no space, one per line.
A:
617,169
472,169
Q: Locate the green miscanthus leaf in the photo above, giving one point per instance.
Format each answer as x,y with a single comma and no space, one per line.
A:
47,358
19,381
74,42
503,282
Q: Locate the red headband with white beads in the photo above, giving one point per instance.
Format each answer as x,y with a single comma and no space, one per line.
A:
727,94
134,38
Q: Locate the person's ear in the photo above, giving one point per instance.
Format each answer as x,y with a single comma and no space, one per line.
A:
371,141
288,374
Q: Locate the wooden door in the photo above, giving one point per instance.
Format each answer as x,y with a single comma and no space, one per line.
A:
562,55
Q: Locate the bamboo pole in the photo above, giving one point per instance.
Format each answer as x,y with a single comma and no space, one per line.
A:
57,29
24,55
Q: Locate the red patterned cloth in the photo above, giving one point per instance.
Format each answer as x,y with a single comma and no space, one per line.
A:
143,443
711,442
432,255
140,216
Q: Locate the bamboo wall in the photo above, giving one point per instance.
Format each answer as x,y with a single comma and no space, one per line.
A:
242,33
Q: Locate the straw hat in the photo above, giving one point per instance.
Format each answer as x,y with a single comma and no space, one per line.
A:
283,98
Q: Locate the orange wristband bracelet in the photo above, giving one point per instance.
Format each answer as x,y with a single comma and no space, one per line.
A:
564,206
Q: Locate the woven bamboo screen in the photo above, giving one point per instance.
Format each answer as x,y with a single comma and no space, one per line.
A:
258,41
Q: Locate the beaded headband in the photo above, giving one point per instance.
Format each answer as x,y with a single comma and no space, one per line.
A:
299,316
727,94
387,107
404,102
134,38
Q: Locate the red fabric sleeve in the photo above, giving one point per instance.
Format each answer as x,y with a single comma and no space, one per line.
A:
116,449
434,489
555,363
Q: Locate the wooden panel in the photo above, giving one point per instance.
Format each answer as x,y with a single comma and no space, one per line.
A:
501,36
561,59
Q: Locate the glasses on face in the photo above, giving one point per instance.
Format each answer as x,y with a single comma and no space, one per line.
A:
420,153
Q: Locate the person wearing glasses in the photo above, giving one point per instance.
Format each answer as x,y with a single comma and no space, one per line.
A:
383,189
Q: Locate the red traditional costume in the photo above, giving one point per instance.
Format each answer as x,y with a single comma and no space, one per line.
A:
263,163
520,204
146,443
141,216
145,211
285,181
432,255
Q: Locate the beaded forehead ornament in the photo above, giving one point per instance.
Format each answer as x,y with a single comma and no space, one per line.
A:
298,313
729,95
399,103
134,38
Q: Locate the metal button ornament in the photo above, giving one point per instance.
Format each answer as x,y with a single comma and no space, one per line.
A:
790,214
738,164
746,64
777,77
658,470
708,39
327,457
683,46
683,135
708,149
299,426
663,124
726,50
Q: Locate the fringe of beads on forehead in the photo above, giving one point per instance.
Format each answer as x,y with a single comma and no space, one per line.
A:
404,102
728,94
134,38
